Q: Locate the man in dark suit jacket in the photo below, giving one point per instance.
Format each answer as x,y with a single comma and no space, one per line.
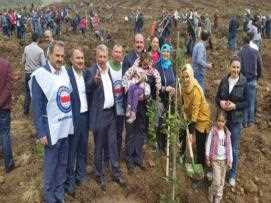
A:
102,116
136,131
78,142
130,58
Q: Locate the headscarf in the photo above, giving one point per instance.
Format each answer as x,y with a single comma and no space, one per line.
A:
166,64
193,82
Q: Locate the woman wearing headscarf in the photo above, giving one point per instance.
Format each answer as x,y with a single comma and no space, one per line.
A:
168,81
232,98
196,110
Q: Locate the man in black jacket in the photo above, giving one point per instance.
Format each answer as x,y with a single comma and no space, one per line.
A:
78,142
102,117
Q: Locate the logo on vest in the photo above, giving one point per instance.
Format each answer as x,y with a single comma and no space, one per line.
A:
63,99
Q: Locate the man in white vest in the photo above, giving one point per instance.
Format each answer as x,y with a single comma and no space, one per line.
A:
115,67
52,112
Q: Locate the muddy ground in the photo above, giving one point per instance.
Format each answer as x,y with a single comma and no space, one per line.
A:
254,172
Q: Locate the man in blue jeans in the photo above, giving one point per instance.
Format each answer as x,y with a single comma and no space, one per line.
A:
251,68
199,59
5,105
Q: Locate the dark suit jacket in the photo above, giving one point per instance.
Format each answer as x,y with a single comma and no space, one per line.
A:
95,94
128,61
75,99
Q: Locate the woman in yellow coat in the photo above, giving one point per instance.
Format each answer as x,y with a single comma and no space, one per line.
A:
196,110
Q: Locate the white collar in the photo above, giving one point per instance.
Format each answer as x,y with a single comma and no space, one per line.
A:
76,73
53,70
101,70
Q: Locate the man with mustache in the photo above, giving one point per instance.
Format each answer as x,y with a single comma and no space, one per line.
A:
129,59
78,142
135,132
51,91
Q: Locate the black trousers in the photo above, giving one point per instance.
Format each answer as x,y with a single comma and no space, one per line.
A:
136,134
200,145
27,98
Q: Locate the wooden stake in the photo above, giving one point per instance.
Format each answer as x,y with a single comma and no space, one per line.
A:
168,137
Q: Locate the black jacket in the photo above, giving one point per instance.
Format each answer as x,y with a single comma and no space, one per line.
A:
238,96
95,97
75,99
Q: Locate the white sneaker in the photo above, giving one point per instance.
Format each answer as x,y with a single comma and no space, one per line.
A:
182,159
209,175
232,182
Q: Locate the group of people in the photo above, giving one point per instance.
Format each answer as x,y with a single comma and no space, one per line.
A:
256,26
55,19
110,98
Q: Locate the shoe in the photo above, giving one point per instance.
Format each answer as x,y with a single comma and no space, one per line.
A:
182,157
79,182
70,192
101,182
210,197
209,175
131,170
232,182
120,181
60,201
197,184
245,125
141,166
10,167
217,199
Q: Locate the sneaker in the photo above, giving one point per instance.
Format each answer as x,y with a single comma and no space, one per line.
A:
210,197
182,159
209,175
232,182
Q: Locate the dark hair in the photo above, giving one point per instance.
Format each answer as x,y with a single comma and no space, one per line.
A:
250,36
221,113
234,58
76,48
143,55
55,44
204,35
35,36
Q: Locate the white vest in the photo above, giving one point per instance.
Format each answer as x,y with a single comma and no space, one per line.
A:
117,89
57,89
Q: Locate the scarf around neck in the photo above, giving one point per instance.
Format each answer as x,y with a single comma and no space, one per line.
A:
165,64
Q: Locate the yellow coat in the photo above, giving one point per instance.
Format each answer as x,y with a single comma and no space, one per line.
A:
196,108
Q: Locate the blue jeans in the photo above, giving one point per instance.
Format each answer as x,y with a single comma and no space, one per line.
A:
199,75
232,42
5,138
27,98
251,109
54,171
235,129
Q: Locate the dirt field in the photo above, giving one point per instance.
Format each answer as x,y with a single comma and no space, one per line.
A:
254,171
